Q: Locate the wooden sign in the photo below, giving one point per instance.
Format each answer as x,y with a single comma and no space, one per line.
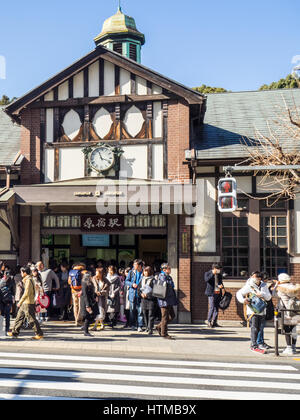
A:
100,223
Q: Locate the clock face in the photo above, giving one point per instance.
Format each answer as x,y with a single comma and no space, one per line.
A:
102,159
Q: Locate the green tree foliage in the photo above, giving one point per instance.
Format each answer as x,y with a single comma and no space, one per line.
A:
288,83
5,100
208,89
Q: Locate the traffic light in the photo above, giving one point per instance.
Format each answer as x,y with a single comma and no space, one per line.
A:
227,195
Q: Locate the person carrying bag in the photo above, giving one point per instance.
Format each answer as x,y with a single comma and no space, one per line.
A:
255,294
166,305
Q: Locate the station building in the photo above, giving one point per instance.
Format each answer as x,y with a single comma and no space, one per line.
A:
107,127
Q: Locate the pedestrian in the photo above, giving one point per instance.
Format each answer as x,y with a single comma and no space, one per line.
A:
48,277
7,288
148,301
19,289
90,306
122,295
255,288
75,282
166,305
63,276
27,307
133,280
285,290
214,288
39,292
113,300
126,300
101,285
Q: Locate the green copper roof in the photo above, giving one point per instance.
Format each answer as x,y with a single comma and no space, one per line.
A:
119,24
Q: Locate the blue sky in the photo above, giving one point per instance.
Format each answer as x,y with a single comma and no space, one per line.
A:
233,44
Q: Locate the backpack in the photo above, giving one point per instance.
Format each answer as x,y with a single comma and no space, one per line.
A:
257,304
6,295
76,278
225,301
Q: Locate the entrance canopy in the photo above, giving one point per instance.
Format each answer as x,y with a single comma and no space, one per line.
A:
106,192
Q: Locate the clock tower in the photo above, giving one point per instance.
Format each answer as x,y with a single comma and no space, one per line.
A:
119,33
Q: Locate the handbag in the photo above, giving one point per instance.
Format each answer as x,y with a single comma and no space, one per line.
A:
44,301
58,299
160,289
225,301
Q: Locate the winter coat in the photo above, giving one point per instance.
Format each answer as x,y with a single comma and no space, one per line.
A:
132,279
171,298
284,292
89,300
48,276
251,288
209,279
101,286
29,292
149,302
19,287
113,300
7,290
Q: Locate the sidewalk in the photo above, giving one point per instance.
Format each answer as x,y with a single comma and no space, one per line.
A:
192,341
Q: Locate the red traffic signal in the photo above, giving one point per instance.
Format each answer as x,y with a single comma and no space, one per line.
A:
227,195
226,187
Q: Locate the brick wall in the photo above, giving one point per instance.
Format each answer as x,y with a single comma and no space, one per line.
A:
184,266
295,272
200,302
30,146
178,140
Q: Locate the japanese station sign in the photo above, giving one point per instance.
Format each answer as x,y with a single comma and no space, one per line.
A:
99,223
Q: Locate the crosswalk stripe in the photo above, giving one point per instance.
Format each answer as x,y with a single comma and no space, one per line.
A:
150,369
150,361
104,388
151,379
16,397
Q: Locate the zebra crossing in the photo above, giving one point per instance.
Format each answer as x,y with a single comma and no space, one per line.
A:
50,376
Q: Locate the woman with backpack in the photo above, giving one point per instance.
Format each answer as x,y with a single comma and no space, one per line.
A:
75,282
286,291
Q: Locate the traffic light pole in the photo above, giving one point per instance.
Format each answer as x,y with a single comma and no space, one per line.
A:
229,169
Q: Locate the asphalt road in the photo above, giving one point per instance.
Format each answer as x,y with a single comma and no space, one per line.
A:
33,375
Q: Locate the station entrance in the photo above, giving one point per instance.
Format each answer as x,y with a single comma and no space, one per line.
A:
121,248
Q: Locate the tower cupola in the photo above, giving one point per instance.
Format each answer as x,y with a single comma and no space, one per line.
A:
119,33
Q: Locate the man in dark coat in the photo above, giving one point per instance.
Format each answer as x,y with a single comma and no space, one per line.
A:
90,309
214,286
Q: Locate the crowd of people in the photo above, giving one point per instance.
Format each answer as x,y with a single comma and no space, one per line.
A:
101,294
97,293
